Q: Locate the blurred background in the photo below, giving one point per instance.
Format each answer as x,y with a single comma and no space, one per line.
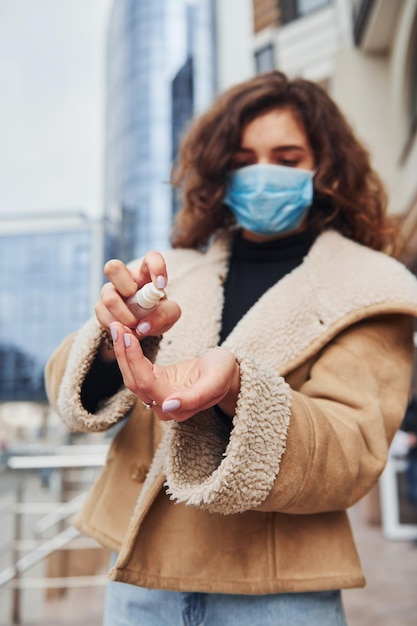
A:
94,98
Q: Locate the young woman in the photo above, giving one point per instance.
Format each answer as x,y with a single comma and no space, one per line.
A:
261,395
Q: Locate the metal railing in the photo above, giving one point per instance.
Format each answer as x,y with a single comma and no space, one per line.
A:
27,552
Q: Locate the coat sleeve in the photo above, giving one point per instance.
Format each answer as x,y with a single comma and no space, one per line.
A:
65,374
318,448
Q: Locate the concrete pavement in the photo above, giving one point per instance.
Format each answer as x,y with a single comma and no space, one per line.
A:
390,596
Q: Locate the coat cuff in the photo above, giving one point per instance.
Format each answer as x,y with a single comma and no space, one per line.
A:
80,359
230,472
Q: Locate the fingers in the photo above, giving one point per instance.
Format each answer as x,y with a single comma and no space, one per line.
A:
120,277
160,320
213,379
139,373
127,280
153,268
216,381
136,369
177,391
112,307
124,282
202,390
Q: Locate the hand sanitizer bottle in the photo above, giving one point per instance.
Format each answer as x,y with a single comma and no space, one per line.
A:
144,300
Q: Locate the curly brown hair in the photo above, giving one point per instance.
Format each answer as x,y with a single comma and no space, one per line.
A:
348,194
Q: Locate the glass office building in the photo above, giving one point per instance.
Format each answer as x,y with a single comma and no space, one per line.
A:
50,279
160,72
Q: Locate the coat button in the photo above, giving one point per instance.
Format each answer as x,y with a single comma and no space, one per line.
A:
138,472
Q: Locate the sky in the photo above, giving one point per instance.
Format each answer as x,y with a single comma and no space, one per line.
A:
52,105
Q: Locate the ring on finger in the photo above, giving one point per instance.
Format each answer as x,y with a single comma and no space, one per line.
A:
149,406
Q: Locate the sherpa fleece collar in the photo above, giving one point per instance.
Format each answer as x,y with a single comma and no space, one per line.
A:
338,283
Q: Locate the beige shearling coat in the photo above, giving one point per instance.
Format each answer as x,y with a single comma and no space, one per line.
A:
325,357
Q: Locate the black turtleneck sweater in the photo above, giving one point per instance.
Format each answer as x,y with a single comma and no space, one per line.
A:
254,268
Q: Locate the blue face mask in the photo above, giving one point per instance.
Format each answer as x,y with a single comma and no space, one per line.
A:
269,199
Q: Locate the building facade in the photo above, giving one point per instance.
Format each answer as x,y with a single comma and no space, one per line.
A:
376,83
160,72
364,52
50,280
301,37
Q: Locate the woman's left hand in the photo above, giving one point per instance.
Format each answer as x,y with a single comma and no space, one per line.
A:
181,390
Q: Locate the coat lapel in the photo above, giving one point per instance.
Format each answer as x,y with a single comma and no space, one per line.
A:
338,283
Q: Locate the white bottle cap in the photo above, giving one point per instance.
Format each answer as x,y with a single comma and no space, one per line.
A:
148,296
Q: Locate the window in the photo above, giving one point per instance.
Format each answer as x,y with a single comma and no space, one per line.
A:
294,9
264,59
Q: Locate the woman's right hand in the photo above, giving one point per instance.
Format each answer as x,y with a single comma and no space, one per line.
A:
124,282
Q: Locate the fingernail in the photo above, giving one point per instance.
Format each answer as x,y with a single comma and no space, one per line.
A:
143,328
113,332
170,405
127,339
161,282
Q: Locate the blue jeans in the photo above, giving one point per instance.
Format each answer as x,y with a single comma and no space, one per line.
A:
128,605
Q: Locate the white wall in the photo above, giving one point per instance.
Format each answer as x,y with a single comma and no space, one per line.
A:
308,46
234,42
361,88
404,146
371,85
